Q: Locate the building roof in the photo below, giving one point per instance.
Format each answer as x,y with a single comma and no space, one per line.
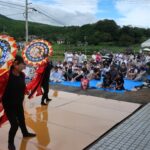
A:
146,44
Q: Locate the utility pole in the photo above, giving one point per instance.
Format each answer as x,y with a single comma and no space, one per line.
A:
26,21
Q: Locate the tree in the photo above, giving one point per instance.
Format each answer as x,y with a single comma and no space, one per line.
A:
108,26
126,40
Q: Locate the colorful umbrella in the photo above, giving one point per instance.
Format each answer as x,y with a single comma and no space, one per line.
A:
8,51
34,52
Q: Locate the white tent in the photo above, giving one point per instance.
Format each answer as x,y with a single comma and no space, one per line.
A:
146,49
146,44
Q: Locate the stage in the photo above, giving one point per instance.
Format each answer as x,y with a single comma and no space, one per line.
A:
69,122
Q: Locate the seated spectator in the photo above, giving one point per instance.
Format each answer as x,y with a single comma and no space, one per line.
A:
123,69
132,72
85,71
96,74
104,70
106,62
113,71
78,75
69,73
65,64
141,74
148,68
98,57
59,64
107,81
119,82
55,75
61,71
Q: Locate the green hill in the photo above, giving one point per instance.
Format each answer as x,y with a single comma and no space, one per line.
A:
17,28
101,32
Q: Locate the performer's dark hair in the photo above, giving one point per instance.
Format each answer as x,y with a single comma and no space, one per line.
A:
19,59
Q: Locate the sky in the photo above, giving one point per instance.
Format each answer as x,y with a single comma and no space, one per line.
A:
80,12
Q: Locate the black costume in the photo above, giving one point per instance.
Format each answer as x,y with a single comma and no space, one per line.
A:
45,82
13,105
12,101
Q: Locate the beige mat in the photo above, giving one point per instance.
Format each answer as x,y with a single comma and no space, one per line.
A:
69,122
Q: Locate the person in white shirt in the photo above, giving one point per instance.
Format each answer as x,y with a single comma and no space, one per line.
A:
75,58
84,57
55,75
104,70
80,58
59,64
94,56
65,54
132,72
69,57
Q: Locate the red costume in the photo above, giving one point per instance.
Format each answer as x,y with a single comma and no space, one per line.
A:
34,87
3,84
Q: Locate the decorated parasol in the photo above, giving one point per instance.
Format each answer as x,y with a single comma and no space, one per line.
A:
34,52
8,51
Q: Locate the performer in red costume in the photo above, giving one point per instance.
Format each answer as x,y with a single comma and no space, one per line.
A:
41,80
12,100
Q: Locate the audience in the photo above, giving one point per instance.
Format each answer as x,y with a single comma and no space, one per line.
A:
112,69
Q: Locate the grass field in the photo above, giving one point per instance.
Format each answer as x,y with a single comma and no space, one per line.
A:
58,50
89,49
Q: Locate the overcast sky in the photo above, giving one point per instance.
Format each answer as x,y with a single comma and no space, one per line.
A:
79,12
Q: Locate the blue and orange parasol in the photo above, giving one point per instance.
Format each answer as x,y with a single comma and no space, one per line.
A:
8,51
33,54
